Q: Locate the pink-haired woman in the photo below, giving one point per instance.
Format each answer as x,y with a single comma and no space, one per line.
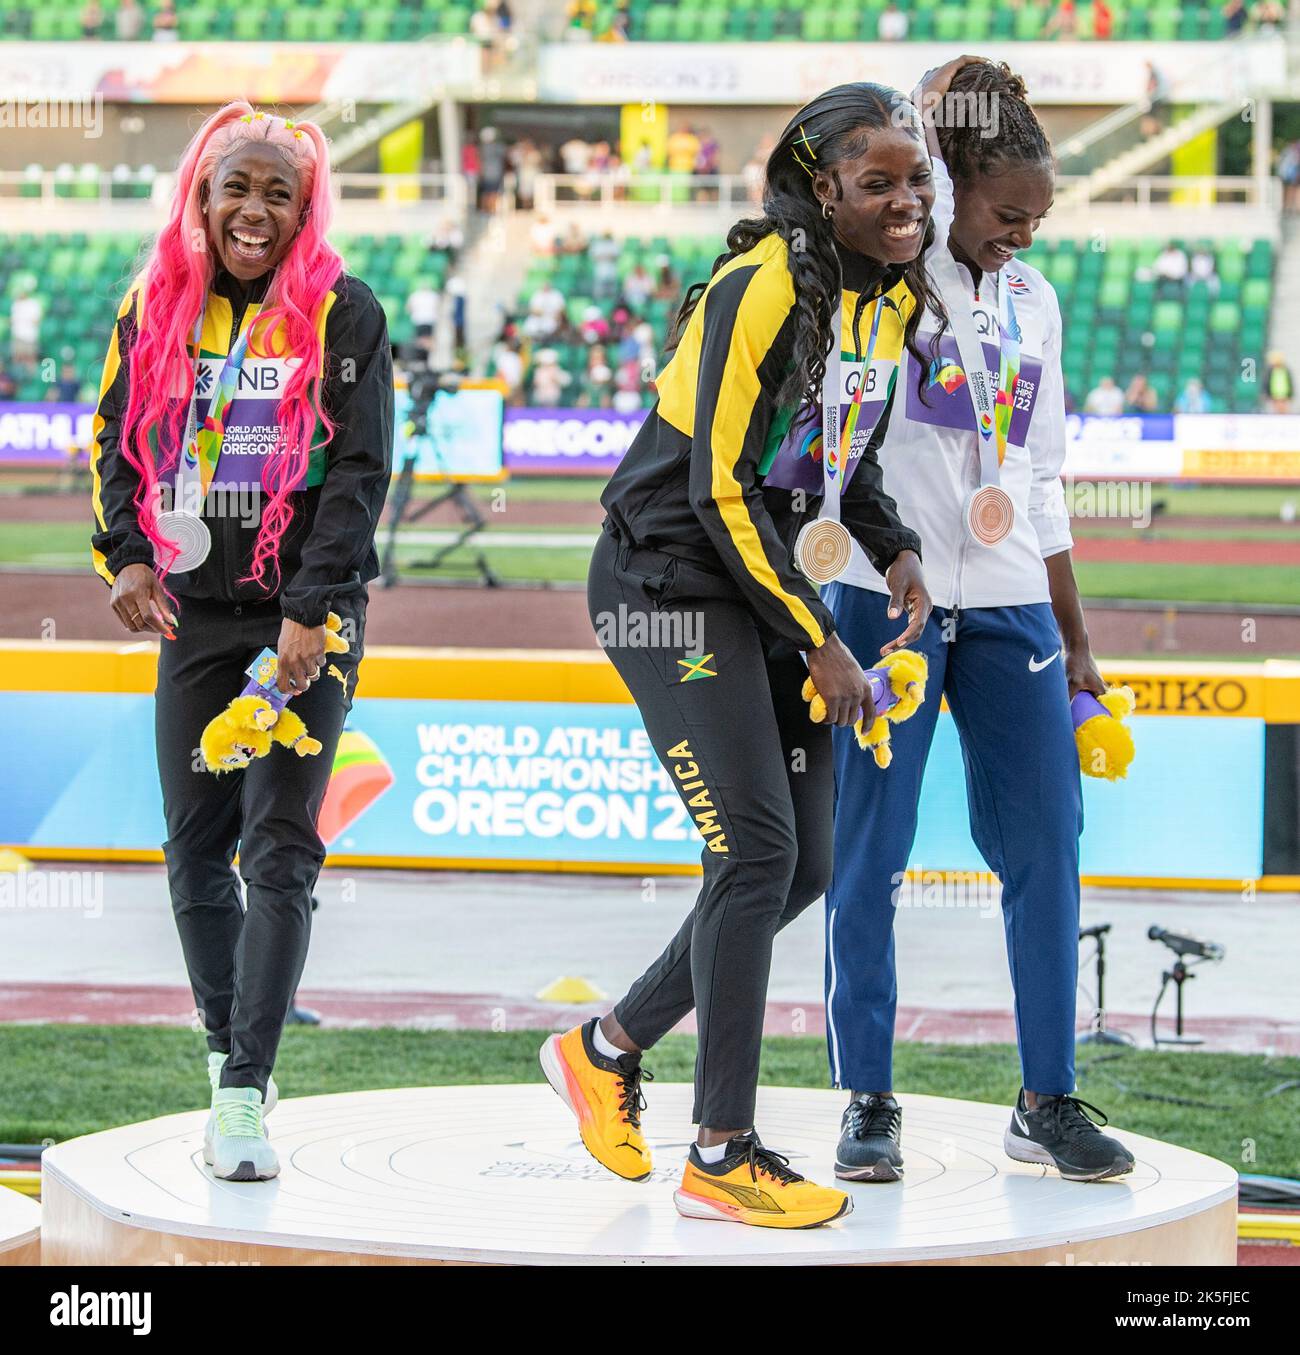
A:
243,446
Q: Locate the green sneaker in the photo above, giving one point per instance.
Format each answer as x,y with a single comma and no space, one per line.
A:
235,1145
216,1062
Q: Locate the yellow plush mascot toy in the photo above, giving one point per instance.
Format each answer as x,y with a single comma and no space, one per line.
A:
1105,742
897,687
259,715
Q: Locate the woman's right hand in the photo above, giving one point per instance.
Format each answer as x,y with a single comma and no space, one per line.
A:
139,601
839,680
937,81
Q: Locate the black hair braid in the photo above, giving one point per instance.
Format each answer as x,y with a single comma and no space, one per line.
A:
967,151
834,127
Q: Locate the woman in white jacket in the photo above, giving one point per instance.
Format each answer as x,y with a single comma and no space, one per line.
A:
974,464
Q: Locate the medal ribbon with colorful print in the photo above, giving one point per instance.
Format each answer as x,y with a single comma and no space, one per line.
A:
1008,365
202,447
836,443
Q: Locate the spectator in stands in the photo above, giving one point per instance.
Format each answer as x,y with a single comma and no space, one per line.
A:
447,240
683,147
492,155
1105,398
8,386
892,25
527,162
422,308
508,364
620,24
628,394
1063,23
755,171
1157,101
1140,397
1234,16
638,287
580,20
1268,16
1103,21
1171,263
604,252
600,376
1279,387
25,315
1202,270
92,19
707,153
594,328
128,22
573,241
545,311
575,155
1193,399
549,379
541,235
164,22
1288,170
471,165
667,284
68,387
455,299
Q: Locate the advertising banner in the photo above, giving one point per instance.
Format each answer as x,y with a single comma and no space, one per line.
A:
573,784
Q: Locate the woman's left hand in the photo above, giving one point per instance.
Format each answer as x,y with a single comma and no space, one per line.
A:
301,656
1082,673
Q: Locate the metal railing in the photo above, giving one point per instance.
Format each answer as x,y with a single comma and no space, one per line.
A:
67,185
1182,191
627,188
623,189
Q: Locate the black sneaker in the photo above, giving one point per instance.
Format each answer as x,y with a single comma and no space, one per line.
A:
870,1147
1059,1133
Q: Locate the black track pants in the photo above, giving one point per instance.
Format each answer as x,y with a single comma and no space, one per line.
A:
244,963
732,730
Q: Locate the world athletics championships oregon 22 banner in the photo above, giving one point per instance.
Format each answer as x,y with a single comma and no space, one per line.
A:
546,782
1216,447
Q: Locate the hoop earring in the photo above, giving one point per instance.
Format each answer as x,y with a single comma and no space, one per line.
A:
826,210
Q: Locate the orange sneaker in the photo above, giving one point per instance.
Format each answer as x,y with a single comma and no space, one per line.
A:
754,1185
605,1095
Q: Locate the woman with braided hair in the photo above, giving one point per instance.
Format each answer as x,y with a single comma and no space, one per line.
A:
973,455
810,306
242,451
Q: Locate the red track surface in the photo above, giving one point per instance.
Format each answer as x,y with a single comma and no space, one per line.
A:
1140,550
126,1004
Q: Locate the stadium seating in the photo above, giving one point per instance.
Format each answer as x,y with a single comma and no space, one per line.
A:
81,278
928,20
1118,320
260,21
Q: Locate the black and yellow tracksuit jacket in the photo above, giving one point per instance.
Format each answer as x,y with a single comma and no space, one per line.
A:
692,482
328,549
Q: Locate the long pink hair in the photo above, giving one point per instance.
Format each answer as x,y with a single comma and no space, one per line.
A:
177,276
